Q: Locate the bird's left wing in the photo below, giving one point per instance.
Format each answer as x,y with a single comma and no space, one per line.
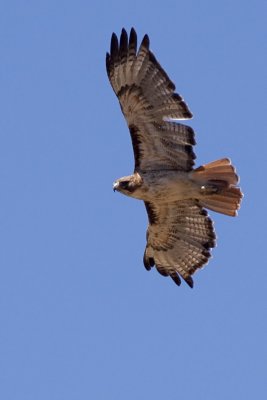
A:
149,103
179,238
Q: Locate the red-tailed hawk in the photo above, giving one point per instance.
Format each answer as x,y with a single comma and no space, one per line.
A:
180,233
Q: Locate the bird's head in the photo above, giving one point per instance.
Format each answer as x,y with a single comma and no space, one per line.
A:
127,185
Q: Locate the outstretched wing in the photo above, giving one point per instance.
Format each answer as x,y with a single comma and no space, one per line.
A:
179,238
149,103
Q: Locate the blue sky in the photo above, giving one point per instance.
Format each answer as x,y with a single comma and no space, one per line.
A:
80,317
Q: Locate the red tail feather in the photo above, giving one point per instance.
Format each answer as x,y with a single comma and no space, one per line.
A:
220,176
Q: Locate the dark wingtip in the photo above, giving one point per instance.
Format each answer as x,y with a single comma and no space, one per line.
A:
114,45
176,279
133,33
108,62
123,41
148,262
189,281
151,261
133,40
145,42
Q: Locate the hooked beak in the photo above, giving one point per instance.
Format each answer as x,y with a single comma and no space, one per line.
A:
115,185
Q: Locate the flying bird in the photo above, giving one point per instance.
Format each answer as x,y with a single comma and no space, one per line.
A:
180,233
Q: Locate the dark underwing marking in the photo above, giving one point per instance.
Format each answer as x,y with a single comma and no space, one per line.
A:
152,216
136,142
127,88
177,129
206,253
188,149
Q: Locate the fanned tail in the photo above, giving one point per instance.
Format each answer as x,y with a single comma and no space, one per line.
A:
218,181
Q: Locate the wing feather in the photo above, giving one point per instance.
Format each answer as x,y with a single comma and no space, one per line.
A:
149,103
179,238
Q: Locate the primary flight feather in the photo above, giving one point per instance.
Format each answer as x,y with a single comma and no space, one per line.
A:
180,233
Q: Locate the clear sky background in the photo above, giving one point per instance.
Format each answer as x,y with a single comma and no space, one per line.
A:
80,317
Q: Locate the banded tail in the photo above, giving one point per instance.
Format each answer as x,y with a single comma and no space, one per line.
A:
220,193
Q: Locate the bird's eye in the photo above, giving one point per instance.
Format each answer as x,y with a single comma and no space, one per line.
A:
124,184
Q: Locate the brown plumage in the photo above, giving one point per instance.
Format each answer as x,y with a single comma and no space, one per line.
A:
180,233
